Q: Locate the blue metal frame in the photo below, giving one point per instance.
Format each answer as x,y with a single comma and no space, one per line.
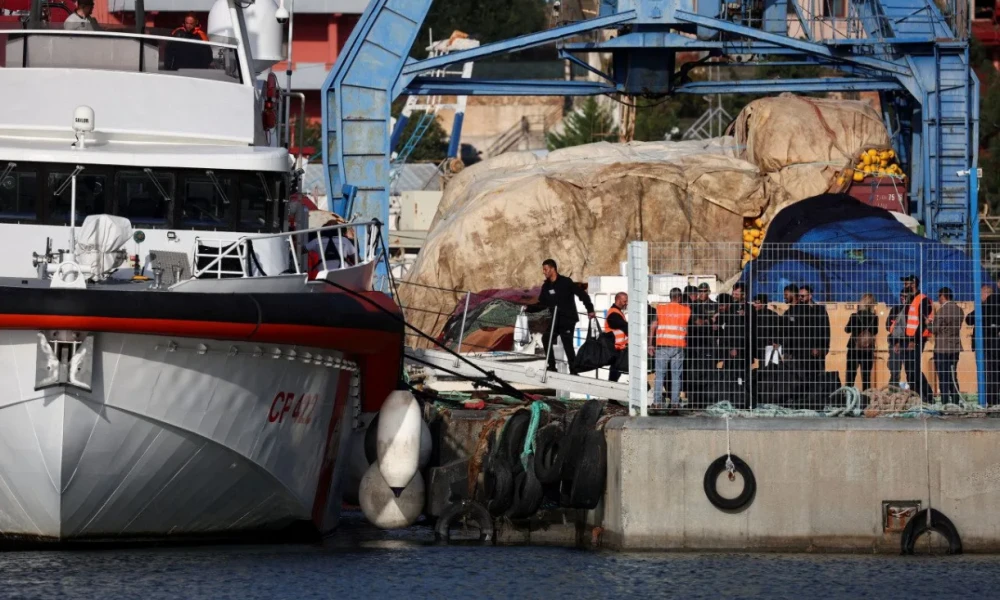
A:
904,49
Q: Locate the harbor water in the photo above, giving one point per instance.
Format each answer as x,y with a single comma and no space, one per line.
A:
361,563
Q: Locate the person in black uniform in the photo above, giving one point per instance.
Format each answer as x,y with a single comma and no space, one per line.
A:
918,320
809,339
557,295
991,338
734,346
701,343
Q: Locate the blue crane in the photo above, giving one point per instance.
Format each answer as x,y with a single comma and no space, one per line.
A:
909,51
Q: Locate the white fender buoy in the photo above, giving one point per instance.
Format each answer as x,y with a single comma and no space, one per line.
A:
399,439
383,508
426,445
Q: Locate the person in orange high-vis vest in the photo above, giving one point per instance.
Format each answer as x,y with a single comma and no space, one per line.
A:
615,322
667,342
919,316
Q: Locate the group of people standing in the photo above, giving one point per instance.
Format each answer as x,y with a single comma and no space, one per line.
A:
703,348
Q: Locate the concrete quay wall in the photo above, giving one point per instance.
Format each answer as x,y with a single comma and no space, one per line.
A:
820,482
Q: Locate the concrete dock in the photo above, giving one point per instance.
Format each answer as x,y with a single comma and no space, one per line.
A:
821,483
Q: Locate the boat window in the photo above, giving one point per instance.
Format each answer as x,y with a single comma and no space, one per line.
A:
18,193
206,201
257,197
91,196
142,201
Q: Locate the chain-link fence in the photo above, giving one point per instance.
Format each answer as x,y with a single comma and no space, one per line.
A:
818,328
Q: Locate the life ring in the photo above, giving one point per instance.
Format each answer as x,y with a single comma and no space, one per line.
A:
918,525
739,503
471,511
272,93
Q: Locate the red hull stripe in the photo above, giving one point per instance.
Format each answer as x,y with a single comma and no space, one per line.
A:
346,339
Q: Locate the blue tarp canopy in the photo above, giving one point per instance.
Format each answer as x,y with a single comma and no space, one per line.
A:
844,248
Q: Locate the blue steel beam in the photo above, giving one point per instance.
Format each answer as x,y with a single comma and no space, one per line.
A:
667,41
522,42
801,45
804,85
446,86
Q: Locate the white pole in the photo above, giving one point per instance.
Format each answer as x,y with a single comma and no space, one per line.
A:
72,215
638,288
288,79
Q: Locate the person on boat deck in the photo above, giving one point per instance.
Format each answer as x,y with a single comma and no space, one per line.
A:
557,295
184,55
81,19
332,244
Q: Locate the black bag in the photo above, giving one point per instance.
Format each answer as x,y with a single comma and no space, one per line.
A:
621,363
597,351
776,384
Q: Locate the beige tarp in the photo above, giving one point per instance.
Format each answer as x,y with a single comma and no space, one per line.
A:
499,219
802,144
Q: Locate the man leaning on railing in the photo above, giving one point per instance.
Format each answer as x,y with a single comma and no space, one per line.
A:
81,18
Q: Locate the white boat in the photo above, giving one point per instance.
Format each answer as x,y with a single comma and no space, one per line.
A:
176,363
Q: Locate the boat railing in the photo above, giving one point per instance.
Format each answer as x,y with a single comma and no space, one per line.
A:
222,255
119,50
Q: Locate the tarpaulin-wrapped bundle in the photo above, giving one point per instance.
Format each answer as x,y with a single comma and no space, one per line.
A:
580,206
844,248
801,144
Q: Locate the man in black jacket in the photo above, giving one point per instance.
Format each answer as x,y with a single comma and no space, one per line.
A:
919,316
808,339
702,346
557,294
991,337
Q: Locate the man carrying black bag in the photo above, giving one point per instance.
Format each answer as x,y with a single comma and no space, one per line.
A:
557,295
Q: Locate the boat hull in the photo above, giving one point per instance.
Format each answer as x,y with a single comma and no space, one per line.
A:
177,438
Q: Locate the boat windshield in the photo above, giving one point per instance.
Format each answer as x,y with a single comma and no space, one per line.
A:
245,201
52,46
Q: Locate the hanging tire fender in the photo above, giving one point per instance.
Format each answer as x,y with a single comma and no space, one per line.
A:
469,509
939,523
746,497
548,453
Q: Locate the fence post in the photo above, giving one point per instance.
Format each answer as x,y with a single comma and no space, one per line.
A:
638,289
977,278
461,331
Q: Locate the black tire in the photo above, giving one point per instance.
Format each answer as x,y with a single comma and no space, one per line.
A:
548,457
583,422
739,503
464,510
371,441
512,439
917,526
528,495
498,484
587,487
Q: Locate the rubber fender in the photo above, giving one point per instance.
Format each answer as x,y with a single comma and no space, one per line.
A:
917,526
528,495
371,441
548,458
498,483
739,503
512,439
583,422
464,511
587,487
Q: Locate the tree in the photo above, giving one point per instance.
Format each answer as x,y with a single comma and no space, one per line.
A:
484,20
590,123
432,147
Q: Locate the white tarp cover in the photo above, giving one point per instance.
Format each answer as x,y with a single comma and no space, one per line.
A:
98,239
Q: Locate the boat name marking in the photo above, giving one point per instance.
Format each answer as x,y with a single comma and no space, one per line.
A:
302,407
